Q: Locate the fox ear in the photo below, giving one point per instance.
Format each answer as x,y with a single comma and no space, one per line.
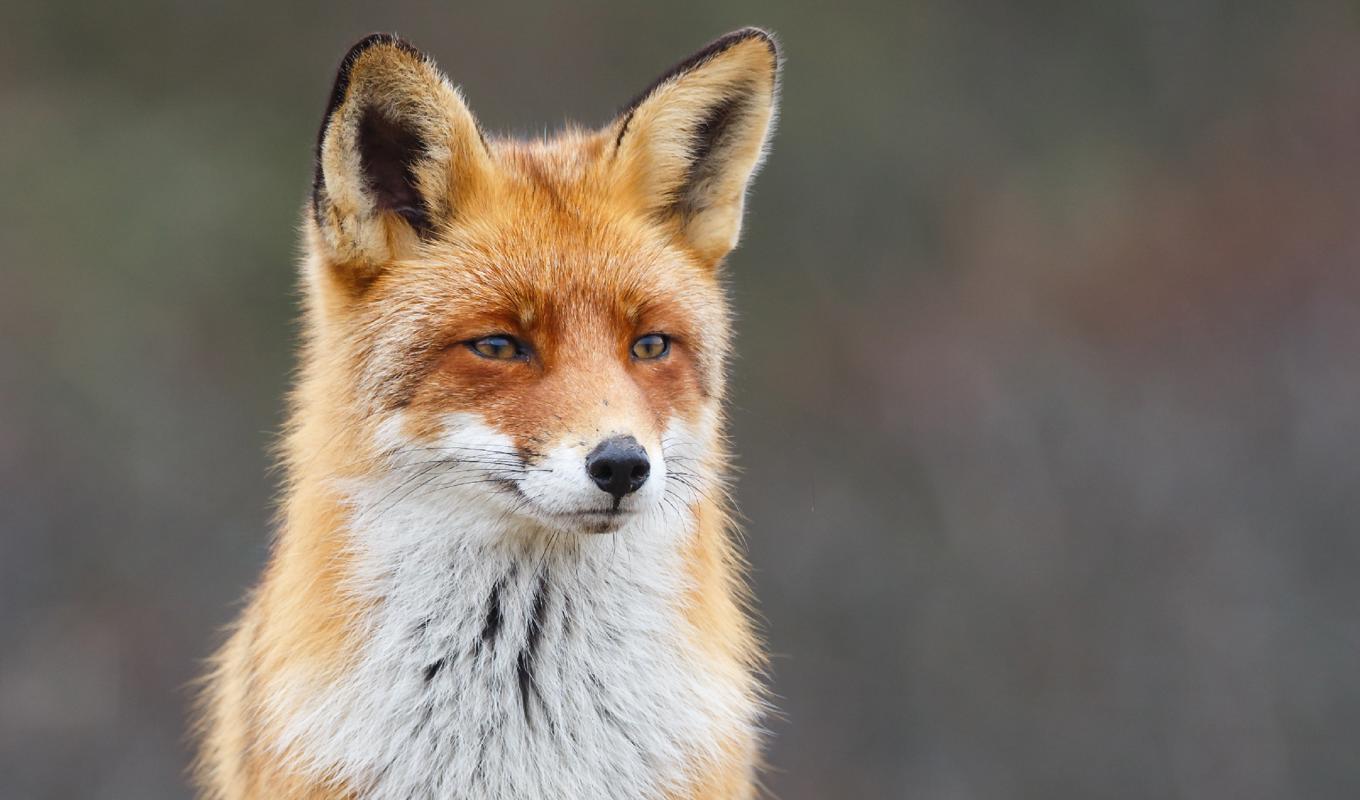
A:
687,147
398,153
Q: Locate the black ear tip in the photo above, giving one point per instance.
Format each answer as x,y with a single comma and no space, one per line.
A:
342,75
753,32
713,49
374,40
747,33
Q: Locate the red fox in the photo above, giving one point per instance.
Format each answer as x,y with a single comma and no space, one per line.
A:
504,565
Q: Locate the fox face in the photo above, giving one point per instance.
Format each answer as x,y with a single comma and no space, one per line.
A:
557,371
537,325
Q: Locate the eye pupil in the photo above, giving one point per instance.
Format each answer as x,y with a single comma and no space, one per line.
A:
651,346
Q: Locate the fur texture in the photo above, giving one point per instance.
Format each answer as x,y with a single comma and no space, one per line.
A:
452,607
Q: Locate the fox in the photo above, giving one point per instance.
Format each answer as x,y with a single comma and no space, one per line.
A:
505,562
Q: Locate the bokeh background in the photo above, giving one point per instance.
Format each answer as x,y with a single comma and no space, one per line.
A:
1047,400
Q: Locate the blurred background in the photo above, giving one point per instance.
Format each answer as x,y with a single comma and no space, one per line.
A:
1047,399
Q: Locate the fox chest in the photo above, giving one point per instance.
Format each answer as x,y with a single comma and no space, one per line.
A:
554,679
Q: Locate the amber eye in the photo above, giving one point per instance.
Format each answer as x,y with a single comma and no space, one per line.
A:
653,345
502,348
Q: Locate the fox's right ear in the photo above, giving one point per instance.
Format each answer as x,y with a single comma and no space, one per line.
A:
397,153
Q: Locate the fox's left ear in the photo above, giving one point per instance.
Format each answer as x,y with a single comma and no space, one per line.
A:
687,147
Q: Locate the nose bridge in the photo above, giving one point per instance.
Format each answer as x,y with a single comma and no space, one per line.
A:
604,401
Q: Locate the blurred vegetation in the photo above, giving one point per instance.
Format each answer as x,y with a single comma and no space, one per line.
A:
1047,395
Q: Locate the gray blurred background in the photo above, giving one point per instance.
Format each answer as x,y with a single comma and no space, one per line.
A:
1047,399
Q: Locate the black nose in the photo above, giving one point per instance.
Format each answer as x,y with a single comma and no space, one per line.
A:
618,466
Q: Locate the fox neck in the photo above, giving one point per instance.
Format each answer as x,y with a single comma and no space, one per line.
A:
488,654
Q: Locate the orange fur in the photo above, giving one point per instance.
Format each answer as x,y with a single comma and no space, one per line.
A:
578,244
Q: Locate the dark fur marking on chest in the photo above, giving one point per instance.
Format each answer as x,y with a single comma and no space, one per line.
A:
492,626
525,664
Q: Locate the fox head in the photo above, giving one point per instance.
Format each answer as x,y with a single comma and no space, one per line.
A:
538,324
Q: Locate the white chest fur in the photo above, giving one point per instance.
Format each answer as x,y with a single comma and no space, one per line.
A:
516,664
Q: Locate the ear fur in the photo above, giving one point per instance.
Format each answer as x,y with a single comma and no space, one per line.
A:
397,151
687,147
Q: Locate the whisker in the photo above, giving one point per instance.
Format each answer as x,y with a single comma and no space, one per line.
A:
428,469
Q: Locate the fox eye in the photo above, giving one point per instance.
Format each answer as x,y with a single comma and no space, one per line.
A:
501,348
651,346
